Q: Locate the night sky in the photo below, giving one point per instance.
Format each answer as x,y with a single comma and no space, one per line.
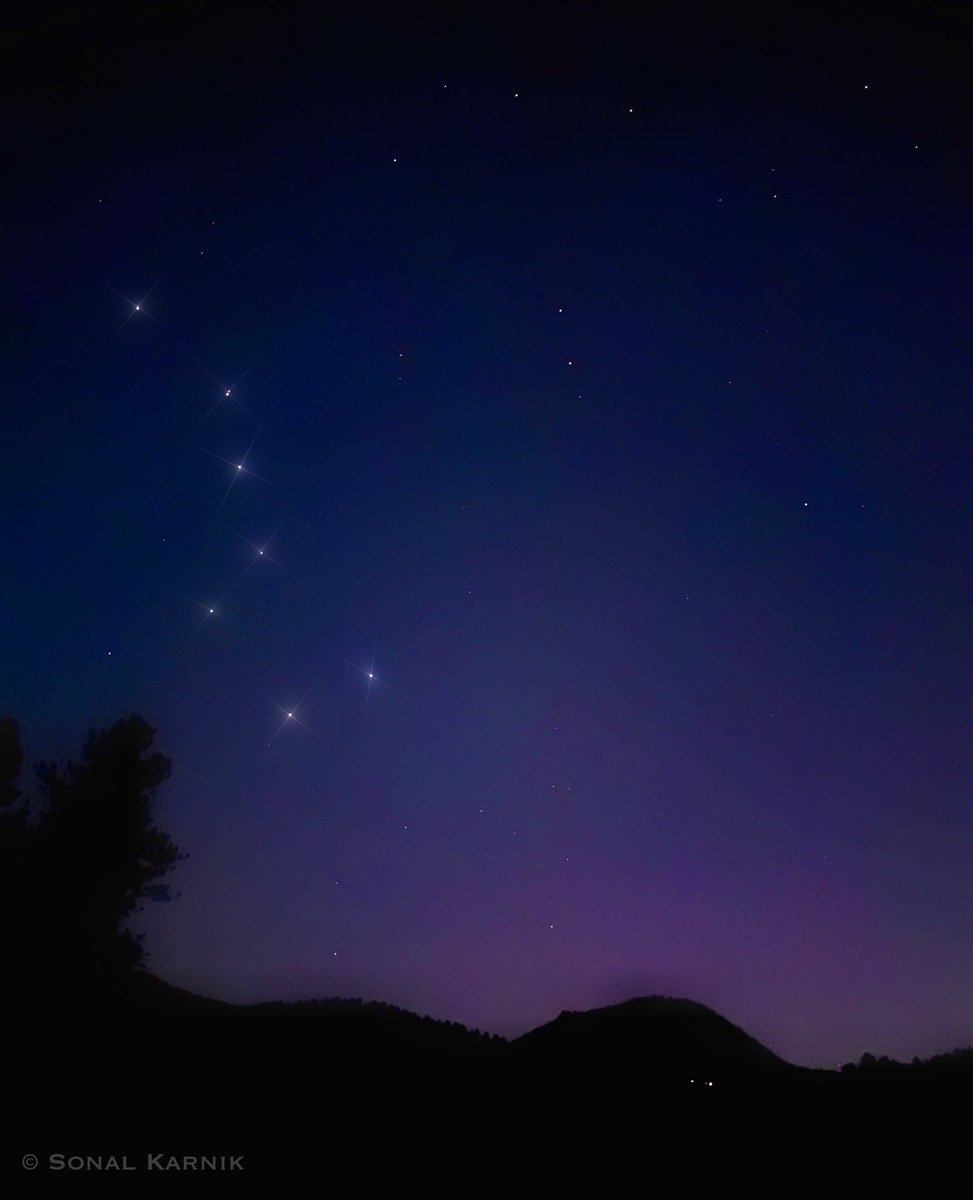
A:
601,388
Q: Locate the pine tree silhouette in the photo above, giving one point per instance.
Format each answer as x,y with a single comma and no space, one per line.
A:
74,877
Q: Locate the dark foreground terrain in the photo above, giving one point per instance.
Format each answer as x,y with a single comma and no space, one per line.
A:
352,1090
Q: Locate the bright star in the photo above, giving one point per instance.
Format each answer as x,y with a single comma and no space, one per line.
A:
369,674
240,468
136,306
290,715
259,552
210,610
227,391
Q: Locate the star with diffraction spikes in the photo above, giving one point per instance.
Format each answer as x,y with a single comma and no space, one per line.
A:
226,391
211,610
240,468
290,715
369,674
136,307
260,552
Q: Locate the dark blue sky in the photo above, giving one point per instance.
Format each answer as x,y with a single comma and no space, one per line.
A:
611,379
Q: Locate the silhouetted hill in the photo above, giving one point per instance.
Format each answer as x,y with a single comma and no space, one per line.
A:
659,1040
344,1028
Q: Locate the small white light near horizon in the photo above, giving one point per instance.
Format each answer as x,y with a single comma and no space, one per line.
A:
227,392
212,610
371,675
260,552
290,716
138,308
239,466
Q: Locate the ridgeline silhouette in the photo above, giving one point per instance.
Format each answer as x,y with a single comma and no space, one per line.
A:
82,856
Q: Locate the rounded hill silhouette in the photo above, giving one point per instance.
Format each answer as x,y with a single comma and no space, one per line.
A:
658,1038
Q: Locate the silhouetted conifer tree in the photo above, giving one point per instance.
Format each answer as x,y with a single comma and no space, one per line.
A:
74,877
11,760
14,845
